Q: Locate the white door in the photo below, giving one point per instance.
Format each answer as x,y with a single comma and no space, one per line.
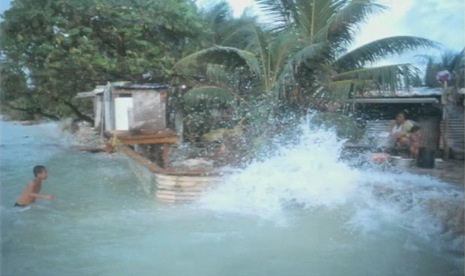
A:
122,106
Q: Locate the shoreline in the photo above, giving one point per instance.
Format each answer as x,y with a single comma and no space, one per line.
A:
451,172
176,186
86,138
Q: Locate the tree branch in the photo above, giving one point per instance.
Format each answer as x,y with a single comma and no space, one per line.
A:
78,113
35,110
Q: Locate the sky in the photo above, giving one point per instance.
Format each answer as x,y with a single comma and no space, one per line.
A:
439,20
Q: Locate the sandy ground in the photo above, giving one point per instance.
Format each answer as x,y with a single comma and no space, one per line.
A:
85,136
451,171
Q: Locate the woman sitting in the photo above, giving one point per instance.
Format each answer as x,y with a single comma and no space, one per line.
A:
399,130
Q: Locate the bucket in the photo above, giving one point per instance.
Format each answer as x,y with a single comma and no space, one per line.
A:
402,163
425,158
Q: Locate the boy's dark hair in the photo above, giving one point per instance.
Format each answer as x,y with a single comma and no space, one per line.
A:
38,169
414,129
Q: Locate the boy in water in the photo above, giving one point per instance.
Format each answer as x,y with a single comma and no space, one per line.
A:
31,192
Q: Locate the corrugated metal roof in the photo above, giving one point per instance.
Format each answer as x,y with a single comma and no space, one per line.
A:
98,90
145,86
405,92
395,100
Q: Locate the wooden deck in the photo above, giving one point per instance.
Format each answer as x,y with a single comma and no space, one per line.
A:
164,137
173,186
160,137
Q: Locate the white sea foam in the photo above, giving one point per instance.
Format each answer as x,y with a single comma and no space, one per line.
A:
310,175
100,219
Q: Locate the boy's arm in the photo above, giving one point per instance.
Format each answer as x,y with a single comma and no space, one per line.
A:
36,195
33,191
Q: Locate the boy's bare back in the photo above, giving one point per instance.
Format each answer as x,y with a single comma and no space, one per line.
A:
32,190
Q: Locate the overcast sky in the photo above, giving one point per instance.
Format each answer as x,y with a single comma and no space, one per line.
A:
439,20
4,5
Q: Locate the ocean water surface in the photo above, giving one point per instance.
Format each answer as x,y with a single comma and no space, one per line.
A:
300,212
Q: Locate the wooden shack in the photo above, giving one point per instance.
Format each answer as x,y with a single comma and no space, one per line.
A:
124,106
133,116
424,106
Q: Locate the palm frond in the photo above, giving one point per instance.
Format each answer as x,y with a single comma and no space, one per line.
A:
230,57
381,48
236,32
452,61
344,18
293,62
219,13
211,96
217,75
312,16
380,72
284,45
251,38
278,13
257,41
383,78
340,90
306,53
222,23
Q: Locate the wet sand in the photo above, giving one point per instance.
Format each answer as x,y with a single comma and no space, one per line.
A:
451,171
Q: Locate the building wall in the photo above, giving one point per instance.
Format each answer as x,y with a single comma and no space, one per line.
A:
150,108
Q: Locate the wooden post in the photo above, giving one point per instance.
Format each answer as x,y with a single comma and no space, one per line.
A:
107,98
446,133
179,124
165,154
445,116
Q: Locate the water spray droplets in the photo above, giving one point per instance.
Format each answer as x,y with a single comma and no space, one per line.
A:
307,174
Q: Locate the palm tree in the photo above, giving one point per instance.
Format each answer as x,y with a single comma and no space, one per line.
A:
301,52
312,36
454,62
215,86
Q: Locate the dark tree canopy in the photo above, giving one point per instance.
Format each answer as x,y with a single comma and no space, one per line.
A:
52,49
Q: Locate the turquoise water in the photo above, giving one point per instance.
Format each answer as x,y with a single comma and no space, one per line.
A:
262,221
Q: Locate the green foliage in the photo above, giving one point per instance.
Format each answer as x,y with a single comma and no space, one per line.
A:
376,50
208,96
303,53
264,75
228,56
345,126
63,47
383,78
454,62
